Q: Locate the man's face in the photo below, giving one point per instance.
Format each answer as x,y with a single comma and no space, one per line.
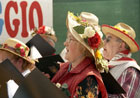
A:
111,46
72,48
5,55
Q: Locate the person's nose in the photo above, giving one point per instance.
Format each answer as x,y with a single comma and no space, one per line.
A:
65,43
104,41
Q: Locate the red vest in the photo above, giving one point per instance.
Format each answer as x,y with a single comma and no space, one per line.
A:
77,75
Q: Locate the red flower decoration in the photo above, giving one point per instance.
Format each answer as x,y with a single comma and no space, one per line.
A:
94,41
22,52
19,49
41,30
18,45
84,20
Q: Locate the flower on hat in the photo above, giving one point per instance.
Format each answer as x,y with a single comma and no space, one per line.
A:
123,30
89,35
98,54
101,63
75,17
17,48
18,45
43,30
92,38
94,41
20,49
89,32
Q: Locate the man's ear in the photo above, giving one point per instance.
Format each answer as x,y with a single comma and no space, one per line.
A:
20,60
122,46
19,64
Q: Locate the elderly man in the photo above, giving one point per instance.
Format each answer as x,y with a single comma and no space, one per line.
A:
17,53
48,34
118,46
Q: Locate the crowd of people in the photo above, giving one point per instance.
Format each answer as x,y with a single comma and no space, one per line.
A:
86,55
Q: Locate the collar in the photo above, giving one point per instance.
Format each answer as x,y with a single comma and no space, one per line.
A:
26,72
80,67
126,52
122,54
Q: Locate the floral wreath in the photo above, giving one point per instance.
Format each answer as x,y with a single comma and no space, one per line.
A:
91,38
43,30
20,49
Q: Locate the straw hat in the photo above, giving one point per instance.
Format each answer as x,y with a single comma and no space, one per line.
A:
124,32
45,30
82,28
18,48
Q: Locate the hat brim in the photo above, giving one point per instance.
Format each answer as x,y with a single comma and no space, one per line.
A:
27,59
134,47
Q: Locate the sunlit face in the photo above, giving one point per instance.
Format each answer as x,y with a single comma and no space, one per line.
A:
111,46
72,48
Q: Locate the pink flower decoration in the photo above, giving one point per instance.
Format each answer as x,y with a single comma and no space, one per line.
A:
22,52
84,20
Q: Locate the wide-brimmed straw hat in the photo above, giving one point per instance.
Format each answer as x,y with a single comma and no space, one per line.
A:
18,48
124,32
83,30
45,30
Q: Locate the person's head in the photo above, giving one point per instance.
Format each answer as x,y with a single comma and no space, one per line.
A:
17,53
119,38
75,50
47,33
83,40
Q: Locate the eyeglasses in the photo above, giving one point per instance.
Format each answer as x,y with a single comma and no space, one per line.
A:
69,39
107,40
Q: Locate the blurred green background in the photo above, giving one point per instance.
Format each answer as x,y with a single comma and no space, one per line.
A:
108,11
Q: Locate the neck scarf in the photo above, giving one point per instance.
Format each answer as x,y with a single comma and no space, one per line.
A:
117,57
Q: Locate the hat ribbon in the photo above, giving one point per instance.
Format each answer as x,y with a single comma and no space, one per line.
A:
18,49
123,30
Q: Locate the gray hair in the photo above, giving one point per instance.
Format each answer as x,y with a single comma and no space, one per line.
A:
126,45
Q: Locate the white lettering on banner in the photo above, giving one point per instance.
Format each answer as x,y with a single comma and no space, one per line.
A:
19,17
